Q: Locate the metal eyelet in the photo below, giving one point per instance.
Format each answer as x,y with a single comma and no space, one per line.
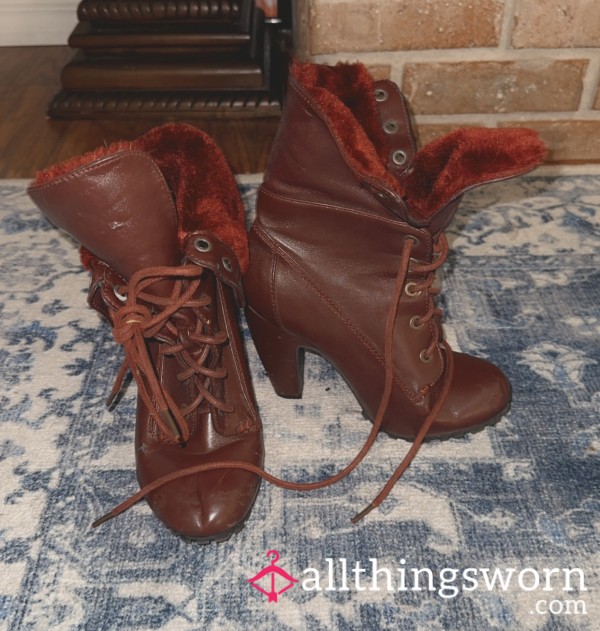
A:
390,127
399,157
119,294
408,290
227,264
424,357
381,95
415,322
203,245
410,237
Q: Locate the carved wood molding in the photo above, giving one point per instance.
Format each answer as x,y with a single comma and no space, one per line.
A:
157,10
161,104
173,59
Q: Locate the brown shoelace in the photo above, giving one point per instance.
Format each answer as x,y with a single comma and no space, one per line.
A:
146,314
135,324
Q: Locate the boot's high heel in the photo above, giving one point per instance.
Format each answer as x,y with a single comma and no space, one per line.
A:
346,203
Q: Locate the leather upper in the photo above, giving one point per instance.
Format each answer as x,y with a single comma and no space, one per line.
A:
120,209
325,250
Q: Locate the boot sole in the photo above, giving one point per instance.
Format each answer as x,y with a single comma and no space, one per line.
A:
457,434
216,539
475,429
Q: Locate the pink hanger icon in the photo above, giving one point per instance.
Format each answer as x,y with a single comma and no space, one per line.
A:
272,570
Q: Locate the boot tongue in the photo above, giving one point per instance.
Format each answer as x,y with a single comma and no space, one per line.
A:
401,209
119,208
439,221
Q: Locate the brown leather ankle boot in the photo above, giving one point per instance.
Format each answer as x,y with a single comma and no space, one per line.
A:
349,233
162,231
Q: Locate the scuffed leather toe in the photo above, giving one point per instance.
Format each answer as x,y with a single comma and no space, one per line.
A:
209,506
206,506
479,394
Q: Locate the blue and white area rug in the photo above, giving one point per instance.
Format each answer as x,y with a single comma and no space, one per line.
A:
496,531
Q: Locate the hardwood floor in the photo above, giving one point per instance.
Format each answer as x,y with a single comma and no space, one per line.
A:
29,141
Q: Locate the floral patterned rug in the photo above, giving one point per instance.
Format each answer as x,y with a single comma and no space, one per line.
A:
500,530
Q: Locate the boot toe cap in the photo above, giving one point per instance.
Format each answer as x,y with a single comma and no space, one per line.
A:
479,395
209,506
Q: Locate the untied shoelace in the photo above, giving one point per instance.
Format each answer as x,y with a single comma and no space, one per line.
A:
134,323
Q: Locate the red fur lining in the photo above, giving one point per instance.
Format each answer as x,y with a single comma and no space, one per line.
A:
203,187
345,95
466,158
87,258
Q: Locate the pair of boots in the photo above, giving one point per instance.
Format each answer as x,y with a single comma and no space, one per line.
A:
341,261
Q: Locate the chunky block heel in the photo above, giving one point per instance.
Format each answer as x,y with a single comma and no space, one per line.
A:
282,355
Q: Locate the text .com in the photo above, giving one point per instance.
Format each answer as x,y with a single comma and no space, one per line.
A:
556,586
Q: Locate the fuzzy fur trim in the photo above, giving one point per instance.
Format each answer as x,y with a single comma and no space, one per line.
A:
465,158
343,95
198,176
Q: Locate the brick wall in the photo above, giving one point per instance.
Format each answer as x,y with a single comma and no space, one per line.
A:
533,63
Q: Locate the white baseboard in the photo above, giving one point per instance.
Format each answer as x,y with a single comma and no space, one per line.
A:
40,23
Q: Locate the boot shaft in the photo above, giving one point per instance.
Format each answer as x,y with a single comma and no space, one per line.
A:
133,204
347,140
118,208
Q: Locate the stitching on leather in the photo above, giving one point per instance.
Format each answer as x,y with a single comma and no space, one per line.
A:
261,234
357,333
84,170
264,237
340,315
276,312
239,372
341,209
272,247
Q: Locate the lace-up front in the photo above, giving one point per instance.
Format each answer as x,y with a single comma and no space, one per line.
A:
434,313
131,314
161,227
178,320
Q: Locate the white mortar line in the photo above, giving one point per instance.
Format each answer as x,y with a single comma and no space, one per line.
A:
506,29
397,74
493,117
248,178
442,55
591,80
566,169
483,119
